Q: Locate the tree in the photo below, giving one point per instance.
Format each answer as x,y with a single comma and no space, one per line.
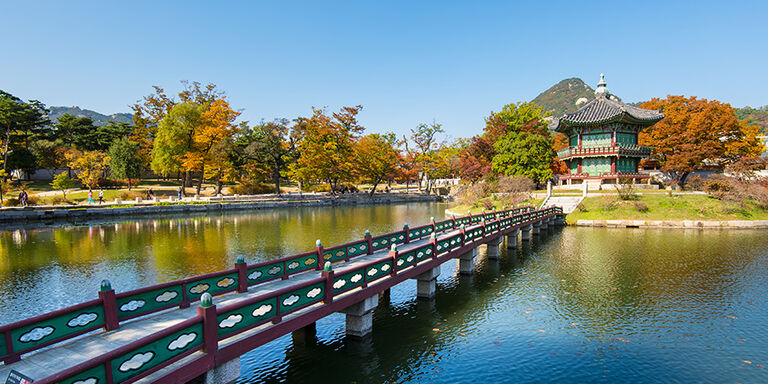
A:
89,166
697,131
375,158
62,182
514,117
19,120
271,143
174,138
325,145
475,159
76,132
217,125
124,160
524,154
424,149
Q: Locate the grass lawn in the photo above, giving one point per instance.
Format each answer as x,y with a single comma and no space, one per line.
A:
462,209
666,207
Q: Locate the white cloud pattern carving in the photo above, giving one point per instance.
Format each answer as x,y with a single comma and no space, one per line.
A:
291,300
409,259
255,275
399,262
132,305
82,320
182,341
166,296
314,292
90,380
36,334
372,271
274,270
385,267
262,310
136,361
356,278
339,283
200,288
293,265
230,321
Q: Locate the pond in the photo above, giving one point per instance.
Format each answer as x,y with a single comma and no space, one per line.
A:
578,305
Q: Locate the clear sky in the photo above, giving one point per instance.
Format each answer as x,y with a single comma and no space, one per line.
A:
405,62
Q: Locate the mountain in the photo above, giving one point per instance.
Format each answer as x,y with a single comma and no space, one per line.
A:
755,116
565,97
98,118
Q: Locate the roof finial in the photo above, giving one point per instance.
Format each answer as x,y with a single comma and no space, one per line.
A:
601,88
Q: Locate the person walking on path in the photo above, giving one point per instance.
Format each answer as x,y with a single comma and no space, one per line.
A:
90,197
179,193
101,196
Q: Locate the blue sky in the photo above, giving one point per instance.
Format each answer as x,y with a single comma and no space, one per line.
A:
405,62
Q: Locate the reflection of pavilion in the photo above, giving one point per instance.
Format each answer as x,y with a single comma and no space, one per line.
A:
602,137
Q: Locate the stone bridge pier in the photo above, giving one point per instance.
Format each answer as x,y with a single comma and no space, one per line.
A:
466,262
360,316
492,248
526,233
512,239
426,283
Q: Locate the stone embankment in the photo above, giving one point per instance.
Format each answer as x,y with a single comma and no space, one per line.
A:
78,213
725,224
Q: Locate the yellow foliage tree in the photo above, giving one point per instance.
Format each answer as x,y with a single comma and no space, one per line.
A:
89,166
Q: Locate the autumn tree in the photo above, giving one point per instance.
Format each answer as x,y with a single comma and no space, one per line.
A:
216,125
325,146
89,166
174,139
697,131
375,158
475,159
424,138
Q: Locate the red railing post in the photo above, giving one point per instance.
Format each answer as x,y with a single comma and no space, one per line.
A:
407,233
369,240
328,275
432,223
184,300
453,220
433,243
242,274
11,356
393,256
463,235
319,250
207,311
109,304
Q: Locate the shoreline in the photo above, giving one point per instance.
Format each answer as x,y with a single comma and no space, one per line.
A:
51,216
690,224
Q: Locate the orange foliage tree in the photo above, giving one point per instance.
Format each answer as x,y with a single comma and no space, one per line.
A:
695,132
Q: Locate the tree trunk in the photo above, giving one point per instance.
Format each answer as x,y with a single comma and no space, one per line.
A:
375,183
202,177
218,186
184,185
276,176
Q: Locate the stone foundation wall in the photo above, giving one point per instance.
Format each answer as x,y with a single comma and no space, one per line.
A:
726,224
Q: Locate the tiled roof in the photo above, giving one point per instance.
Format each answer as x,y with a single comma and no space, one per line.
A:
604,108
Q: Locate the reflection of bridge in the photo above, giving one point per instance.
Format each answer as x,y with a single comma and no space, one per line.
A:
153,334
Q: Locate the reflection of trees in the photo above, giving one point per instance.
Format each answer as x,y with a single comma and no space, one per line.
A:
613,278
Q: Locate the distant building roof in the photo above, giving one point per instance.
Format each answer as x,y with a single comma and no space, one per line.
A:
606,108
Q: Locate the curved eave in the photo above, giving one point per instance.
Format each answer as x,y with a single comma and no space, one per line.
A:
564,124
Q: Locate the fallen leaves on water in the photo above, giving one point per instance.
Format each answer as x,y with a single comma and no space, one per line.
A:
742,340
751,303
542,331
574,323
543,297
759,366
732,317
621,339
497,343
746,362
435,330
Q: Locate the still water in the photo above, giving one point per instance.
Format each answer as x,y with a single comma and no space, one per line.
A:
580,305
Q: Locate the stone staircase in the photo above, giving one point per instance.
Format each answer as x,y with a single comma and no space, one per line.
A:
568,203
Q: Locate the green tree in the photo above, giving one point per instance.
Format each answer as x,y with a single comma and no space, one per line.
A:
424,149
272,145
76,132
174,138
376,159
62,182
19,121
124,160
524,154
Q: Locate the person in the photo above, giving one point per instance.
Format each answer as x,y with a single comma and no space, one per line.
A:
151,194
90,197
101,196
179,193
26,199
21,198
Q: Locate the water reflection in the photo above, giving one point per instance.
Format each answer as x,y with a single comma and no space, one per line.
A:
63,265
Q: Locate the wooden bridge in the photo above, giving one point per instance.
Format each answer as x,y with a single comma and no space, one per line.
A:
174,332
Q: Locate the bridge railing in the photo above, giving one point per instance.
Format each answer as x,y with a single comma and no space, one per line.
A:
110,309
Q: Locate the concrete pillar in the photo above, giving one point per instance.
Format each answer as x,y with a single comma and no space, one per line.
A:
493,248
360,316
305,336
535,228
426,283
466,262
512,239
526,236
225,373
384,296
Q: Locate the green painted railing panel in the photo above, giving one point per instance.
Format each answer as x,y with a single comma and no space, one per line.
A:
385,241
301,297
148,301
443,246
151,355
348,281
95,375
235,320
334,255
301,263
376,271
406,259
264,272
61,326
3,347
397,238
424,252
212,285
357,249
419,233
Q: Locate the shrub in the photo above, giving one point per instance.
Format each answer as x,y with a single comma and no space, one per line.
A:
582,208
11,202
515,184
488,204
317,188
626,190
252,189
130,195
695,183
718,186
640,206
